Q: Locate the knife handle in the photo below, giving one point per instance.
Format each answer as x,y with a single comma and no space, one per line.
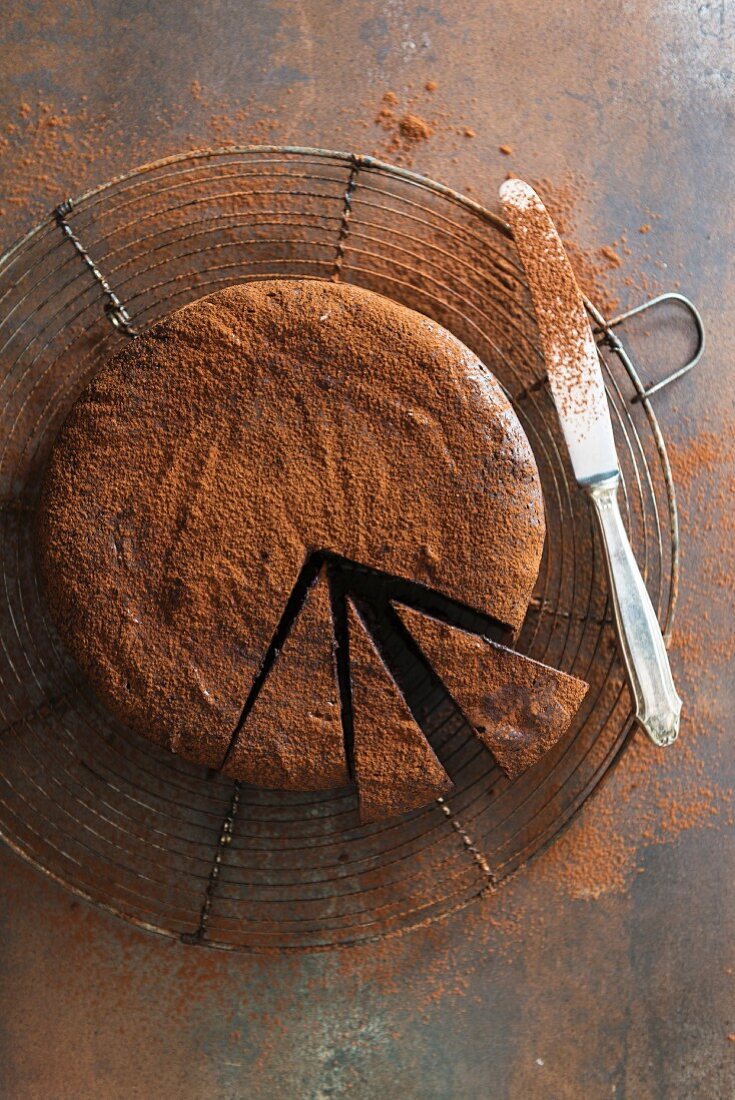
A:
657,706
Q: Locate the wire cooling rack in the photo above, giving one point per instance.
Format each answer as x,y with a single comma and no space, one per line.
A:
160,841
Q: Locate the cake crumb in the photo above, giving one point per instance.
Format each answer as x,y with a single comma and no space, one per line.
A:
506,150
645,228
431,85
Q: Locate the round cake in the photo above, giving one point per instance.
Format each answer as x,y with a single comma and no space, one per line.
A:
211,471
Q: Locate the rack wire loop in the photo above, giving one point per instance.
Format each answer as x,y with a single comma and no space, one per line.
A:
652,303
114,308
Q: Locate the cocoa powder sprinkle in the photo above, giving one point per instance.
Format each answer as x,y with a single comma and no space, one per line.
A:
414,128
181,500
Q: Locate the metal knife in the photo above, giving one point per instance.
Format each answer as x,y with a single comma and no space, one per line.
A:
575,379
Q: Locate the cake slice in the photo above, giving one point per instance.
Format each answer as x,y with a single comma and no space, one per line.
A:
518,708
297,749
395,767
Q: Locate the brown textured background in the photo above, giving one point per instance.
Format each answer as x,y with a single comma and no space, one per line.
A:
606,968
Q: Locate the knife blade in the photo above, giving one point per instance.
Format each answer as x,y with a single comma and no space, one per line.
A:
578,392
569,347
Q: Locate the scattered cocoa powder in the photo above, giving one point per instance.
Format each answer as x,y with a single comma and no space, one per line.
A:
565,198
703,466
610,254
414,128
706,451
54,151
386,117
418,120
600,852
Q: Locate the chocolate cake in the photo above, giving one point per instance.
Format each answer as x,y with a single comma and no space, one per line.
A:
395,767
212,468
516,706
303,752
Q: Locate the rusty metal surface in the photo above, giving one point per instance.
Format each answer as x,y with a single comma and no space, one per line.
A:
542,991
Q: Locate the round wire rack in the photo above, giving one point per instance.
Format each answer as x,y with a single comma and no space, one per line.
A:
157,840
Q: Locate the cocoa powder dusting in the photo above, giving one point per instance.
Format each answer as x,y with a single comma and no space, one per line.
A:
301,751
413,119
518,708
566,335
395,771
414,128
181,501
565,199
52,150
610,254
704,469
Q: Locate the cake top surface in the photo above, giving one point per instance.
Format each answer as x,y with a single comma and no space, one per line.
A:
214,456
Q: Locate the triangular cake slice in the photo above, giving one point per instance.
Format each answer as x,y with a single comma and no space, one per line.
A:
280,746
519,708
395,766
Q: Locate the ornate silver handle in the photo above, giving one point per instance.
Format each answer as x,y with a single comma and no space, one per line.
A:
657,706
